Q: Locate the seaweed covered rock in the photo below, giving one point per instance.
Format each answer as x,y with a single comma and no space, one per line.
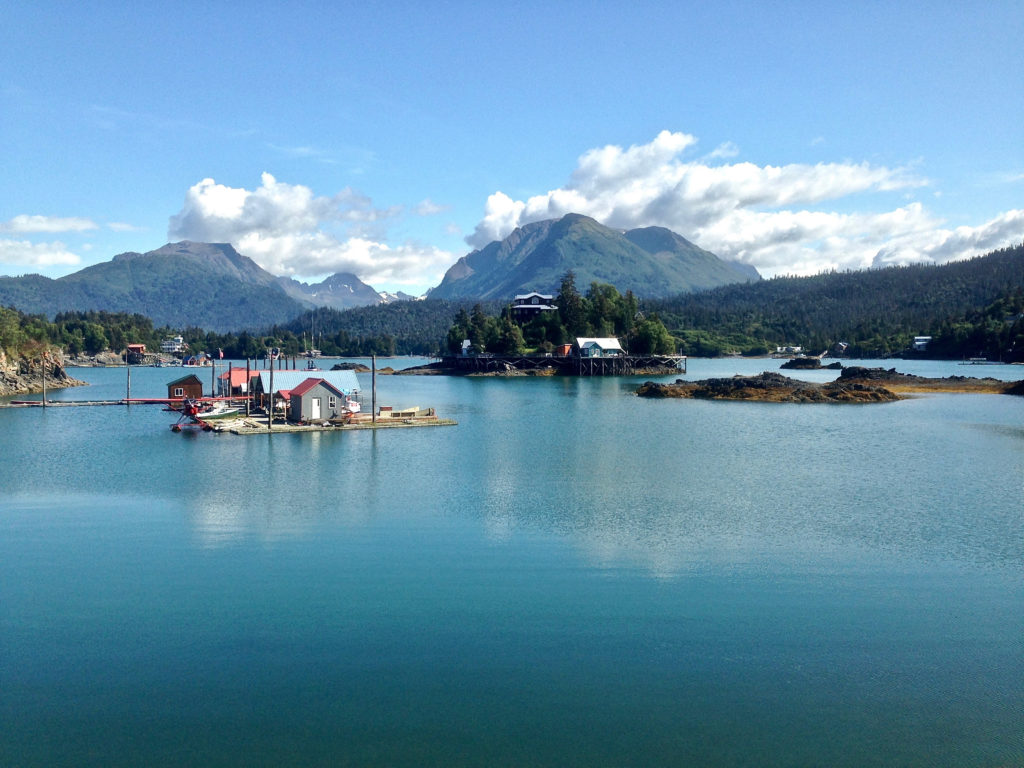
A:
769,387
810,364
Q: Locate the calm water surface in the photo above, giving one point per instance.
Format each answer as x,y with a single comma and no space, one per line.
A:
570,576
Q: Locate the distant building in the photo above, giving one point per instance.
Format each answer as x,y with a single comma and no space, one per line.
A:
135,353
527,306
592,347
921,343
186,386
174,345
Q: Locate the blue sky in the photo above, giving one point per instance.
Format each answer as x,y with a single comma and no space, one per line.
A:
389,139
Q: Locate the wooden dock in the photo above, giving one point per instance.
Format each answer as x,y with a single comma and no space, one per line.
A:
570,365
250,425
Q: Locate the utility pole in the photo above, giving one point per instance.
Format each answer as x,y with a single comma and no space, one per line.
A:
270,407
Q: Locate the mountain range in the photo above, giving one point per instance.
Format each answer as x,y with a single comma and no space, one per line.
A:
208,285
652,262
212,286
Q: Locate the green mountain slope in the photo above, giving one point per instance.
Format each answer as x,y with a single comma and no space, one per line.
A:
650,262
877,312
181,284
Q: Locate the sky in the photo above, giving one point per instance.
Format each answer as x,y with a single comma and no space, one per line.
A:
390,139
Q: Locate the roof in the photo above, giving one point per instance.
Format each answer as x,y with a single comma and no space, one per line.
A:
237,376
582,342
519,296
311,383
345,381
183,379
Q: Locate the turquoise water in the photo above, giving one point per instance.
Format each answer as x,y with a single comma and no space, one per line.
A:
570,576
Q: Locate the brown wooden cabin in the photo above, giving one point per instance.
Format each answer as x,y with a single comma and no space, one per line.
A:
186,386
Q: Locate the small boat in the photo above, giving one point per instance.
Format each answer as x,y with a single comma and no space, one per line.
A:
198,414
217,411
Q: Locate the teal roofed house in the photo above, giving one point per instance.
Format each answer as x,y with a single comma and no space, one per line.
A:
594,347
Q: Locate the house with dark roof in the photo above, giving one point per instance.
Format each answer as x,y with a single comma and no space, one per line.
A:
187,386
527,306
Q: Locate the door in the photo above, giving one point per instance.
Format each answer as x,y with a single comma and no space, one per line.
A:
314,408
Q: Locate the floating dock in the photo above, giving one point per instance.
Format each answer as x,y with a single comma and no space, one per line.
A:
250,425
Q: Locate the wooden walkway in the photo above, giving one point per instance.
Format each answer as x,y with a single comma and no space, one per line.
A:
623,365
258,426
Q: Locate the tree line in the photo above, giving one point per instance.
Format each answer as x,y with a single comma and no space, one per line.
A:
601,312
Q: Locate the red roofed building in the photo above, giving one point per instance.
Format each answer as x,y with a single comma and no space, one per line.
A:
235,382
314,400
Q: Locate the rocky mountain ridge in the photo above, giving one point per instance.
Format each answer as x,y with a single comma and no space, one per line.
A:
651,262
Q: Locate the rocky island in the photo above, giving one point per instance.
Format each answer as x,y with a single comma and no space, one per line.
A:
854,385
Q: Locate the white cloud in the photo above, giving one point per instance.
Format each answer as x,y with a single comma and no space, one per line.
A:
726,149
756,214
288,230
941,245
120,226
24,253
24,224
429,208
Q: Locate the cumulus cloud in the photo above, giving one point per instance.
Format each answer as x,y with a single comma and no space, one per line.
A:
769,216
941,245
24,253
288,230
25,224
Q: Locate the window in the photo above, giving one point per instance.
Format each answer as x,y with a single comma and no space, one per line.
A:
332,402
179,391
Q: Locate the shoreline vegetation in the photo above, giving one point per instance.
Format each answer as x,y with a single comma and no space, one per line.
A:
854,385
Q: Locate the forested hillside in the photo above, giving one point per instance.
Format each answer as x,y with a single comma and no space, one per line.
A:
401,327
968,307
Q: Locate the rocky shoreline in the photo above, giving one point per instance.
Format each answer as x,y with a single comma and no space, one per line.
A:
854,385
100,360
24,375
